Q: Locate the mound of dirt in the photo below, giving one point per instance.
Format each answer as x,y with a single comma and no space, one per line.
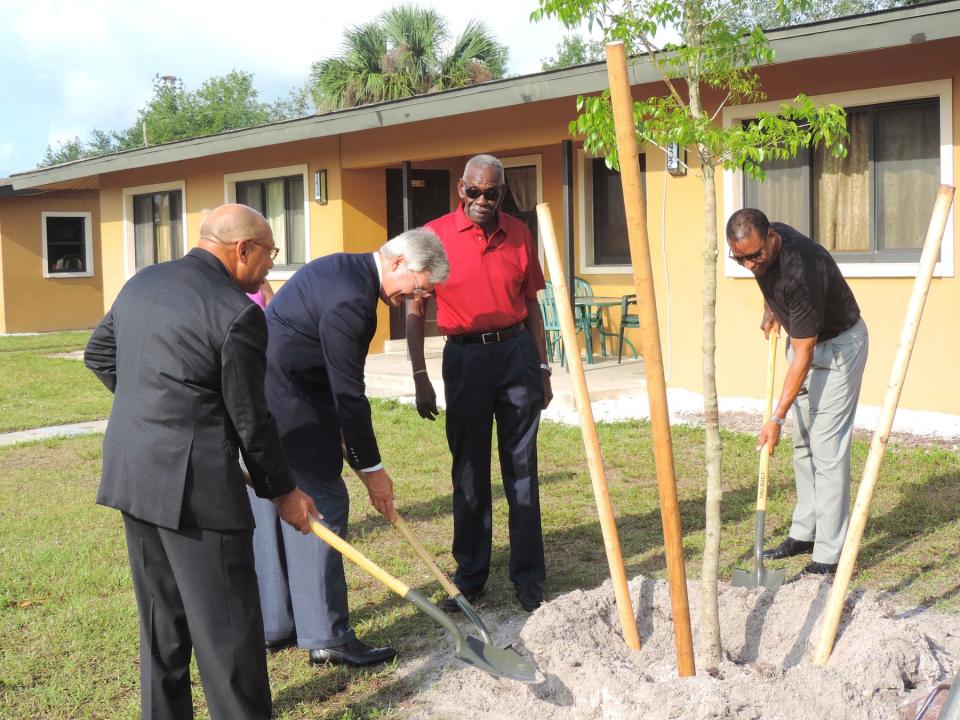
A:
882,660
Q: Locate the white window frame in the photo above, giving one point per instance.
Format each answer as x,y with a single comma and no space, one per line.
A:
585,204
129,252
87,238
230,181
536,161
733,179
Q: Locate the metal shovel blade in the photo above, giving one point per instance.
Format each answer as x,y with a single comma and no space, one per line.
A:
504,662
759,576
474,651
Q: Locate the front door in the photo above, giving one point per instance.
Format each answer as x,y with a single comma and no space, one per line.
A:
430,192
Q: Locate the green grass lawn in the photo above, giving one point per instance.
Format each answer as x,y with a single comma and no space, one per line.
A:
38,390
68,619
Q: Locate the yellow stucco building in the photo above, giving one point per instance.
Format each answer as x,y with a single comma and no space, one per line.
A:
344,181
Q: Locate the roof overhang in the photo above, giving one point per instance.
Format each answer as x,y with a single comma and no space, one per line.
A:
856,34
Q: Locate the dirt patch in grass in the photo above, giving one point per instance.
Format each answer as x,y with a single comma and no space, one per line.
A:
883,660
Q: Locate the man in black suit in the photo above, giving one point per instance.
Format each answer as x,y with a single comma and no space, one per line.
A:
321,323
182,349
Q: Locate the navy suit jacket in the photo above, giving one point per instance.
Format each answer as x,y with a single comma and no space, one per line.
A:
182,350
321,323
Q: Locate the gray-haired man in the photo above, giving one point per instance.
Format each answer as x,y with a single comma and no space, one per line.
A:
321,323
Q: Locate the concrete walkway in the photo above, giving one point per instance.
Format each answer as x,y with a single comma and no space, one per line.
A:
83,428
388,375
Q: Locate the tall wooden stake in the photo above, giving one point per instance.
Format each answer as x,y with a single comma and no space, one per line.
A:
608,525
871,470
622,102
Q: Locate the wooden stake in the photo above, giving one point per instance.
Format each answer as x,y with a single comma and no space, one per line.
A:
871,471
622,102
591,444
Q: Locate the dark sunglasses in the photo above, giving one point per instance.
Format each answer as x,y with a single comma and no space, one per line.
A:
751,257
492,195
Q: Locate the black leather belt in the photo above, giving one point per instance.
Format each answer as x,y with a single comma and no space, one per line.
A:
494,336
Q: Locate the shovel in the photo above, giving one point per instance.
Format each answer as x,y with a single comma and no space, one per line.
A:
480,653
759,577
452,590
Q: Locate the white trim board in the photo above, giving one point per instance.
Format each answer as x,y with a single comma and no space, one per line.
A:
129,253
87,237
230,181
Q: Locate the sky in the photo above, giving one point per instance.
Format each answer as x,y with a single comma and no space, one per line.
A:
71,66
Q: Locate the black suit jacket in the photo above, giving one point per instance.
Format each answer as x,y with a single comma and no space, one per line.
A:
321,323
182,349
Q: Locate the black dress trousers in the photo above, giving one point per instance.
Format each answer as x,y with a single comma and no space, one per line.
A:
208,577
483,382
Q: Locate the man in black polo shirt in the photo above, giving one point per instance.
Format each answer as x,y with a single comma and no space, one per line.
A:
804,291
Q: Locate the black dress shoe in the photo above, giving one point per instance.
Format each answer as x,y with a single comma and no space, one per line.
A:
450,605
819,568
280,643
530,597
353,653
788,548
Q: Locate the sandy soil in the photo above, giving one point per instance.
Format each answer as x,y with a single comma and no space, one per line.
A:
884,660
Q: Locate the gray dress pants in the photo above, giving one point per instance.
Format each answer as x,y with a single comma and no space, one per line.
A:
303,589
822,434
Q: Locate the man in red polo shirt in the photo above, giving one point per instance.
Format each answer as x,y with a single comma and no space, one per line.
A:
494,366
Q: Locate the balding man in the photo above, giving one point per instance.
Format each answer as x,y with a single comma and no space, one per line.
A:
494,366
183,351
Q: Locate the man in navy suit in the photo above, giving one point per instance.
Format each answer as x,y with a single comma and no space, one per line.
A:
321,323
182,349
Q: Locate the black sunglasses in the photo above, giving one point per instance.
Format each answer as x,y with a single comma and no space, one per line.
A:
492,195
751,257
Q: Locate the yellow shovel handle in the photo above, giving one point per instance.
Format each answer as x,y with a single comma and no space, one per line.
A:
767,411
358,558
448,586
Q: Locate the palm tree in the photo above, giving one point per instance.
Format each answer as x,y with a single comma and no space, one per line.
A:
402,53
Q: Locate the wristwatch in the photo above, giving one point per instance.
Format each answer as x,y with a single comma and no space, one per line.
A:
778,421
546,368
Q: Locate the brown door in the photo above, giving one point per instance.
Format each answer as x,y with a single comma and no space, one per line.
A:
430,194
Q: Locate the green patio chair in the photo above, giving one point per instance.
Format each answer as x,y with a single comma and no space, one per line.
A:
627,320
551,325
594,318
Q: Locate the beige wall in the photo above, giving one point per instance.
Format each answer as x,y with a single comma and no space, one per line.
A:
31,302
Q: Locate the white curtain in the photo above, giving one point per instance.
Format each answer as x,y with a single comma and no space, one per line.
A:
908,173
276,216
522,184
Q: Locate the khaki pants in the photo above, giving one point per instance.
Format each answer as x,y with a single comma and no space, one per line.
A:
822,433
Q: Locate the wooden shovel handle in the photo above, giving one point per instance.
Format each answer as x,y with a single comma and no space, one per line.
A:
441,577
764,473
358,558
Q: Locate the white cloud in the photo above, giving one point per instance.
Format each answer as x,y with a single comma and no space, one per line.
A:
7,151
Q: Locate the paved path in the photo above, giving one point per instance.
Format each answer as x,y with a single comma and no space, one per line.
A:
84,428
388,375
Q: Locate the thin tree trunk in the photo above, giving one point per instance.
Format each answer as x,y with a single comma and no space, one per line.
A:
710,647
710,612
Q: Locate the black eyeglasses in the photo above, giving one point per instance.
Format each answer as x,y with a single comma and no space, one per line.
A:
273,251
749,257
474,193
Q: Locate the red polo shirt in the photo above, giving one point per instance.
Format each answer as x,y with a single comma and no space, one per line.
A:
490,280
